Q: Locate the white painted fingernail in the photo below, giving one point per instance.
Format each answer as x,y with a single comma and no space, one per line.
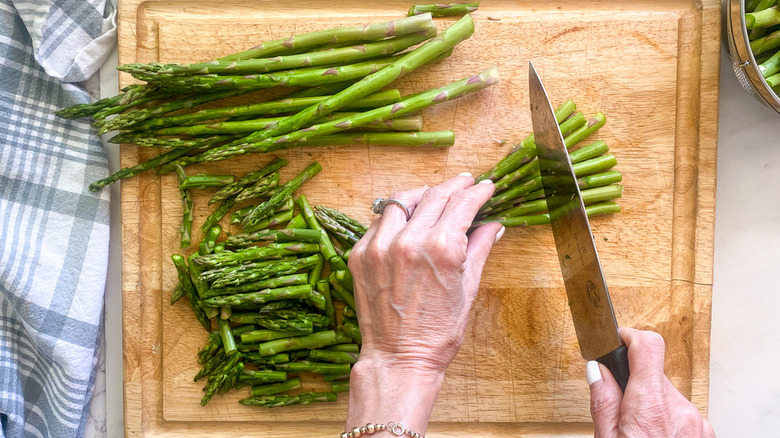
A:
500,233
465,174
592,372
486,181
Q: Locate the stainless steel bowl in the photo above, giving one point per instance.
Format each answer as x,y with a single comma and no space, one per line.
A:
742,59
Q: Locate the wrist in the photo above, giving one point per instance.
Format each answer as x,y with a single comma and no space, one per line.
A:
382,390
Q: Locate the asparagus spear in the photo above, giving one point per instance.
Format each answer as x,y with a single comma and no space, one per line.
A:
237,276
131,118
544,218
265,209
259,188
323,287
572,139
186,202
341,219
326,246
583,168
340,292
338,387
222,132
765,18
288,292
370,32
589,196
285,235
286,105
88,109
771,66
276,388
128,172
202,181
267,283
423,54
349,348
210,240
184,278
765,44
212,364
247,180
263,335
306,366
262,376
350,328
297,222
333,356
276,219
303,77
344,55
444,10
228,341
304,398
228,258
314,340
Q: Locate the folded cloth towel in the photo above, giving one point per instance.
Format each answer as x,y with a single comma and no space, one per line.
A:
53,231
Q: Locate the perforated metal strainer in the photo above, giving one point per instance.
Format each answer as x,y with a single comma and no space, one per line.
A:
742,59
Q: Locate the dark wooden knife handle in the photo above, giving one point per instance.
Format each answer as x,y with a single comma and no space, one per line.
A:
617,362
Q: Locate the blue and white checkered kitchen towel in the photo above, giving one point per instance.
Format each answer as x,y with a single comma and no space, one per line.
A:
53,231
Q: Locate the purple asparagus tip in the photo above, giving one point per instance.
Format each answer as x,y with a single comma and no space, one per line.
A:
441,97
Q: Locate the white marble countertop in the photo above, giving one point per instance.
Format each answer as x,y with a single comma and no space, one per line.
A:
744,391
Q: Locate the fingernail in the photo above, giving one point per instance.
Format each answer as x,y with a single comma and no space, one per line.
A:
486,181
500,233
465,174
592,372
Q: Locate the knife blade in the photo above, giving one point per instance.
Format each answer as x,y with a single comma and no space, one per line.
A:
586,288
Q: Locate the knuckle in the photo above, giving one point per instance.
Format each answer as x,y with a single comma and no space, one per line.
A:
603,402
465,197
434,194
374,254
652,341
406,245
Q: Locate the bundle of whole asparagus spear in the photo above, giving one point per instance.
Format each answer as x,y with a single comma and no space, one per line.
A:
519,196
280,291
763,23
336,80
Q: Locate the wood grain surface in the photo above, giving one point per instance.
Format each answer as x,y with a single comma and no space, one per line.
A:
650,66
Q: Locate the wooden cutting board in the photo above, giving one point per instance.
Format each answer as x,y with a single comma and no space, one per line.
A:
651,66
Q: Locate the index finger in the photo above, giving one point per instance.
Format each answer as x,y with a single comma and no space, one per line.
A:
464,205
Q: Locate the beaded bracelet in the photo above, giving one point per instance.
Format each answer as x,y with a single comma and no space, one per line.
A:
395,428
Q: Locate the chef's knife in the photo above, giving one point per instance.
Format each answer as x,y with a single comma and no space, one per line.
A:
591,307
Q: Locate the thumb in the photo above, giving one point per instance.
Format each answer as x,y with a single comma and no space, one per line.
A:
605,400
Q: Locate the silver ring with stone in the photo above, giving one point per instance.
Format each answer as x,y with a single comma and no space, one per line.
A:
379,205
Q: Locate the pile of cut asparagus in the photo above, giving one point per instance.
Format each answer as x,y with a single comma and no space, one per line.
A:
519,196
763,23
336,80
279,310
